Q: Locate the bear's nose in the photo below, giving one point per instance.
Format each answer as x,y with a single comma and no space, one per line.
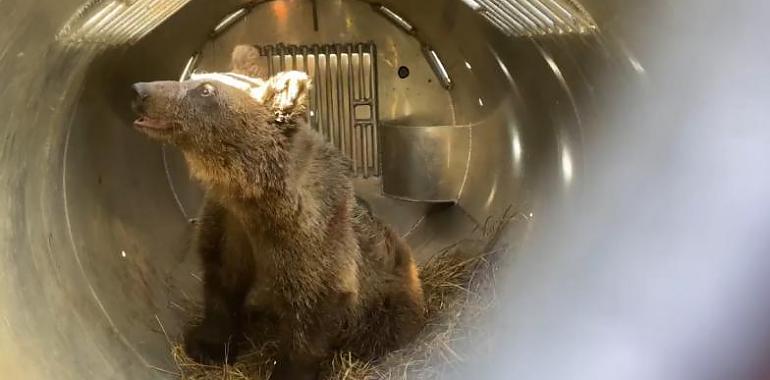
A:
141,93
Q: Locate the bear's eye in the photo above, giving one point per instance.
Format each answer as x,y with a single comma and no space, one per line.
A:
207,90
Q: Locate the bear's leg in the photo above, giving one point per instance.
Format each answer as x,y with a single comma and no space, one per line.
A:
296,366
299,364
304,344
215,340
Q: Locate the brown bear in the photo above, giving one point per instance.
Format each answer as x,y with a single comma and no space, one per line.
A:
280,216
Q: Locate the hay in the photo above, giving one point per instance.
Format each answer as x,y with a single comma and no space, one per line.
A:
459,290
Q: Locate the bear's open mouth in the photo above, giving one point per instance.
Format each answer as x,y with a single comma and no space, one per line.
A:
149,123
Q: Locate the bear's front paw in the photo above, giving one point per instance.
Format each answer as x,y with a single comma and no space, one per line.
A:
210,344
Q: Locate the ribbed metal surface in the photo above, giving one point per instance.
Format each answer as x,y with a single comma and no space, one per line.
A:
117,22
343,106
536,17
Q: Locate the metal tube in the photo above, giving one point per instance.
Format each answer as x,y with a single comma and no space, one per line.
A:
636,154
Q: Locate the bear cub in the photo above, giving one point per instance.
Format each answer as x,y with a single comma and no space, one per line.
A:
280,223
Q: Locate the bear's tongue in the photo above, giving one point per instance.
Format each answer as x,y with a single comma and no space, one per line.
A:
146,122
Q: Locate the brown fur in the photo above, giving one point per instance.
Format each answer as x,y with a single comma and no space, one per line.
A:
280,216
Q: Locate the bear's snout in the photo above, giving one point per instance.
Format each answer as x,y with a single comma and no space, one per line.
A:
149,103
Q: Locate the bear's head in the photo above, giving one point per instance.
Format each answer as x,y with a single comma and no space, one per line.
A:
212,109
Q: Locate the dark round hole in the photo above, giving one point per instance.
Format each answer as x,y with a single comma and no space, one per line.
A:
403,72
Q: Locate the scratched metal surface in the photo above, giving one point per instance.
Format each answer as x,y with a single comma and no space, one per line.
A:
638,209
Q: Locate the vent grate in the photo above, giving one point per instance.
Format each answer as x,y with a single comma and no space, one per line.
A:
116,22
536,17
343,105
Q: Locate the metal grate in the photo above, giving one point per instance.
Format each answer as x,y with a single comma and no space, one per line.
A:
343,106
535,17
116,22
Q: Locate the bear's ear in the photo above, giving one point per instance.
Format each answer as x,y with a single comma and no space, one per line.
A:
245,61
286,94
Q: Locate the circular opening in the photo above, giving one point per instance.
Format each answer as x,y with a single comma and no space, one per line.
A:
403,72
425,159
